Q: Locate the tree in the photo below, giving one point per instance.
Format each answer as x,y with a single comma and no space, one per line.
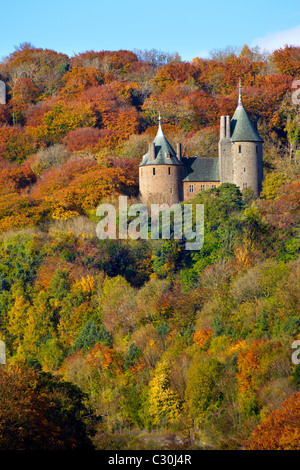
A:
287,60
165,405
78,79
203,395
38,412
280,429
88,337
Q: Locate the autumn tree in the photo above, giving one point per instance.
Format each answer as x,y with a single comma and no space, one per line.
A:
165,405
40,413
287,60
280,429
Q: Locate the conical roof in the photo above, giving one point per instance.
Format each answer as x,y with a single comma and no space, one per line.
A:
241,127
164,152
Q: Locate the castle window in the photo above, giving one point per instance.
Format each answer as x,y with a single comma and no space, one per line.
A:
168,155
171,190
169,170
244,185
213,185
244,170
153,171
240,149
202,187
191,188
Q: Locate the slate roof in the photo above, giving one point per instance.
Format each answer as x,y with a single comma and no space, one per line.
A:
241,127
201,169
162,148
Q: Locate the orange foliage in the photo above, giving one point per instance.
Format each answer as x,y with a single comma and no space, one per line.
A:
287,60
78,80
202,337
79,185
15,178
175,73
249,366
280,430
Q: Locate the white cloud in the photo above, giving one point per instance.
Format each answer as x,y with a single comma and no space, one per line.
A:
279,39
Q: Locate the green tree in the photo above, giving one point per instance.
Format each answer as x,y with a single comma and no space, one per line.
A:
203,395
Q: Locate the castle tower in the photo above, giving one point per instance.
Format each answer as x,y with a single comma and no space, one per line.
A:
241,152
160,172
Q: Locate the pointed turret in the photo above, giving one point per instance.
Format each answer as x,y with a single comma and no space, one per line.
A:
160,151
161,170
241,127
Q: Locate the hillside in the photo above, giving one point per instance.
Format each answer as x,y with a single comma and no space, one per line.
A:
141,344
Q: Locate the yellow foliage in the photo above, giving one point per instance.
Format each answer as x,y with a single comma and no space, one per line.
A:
164,403
87,285
60,213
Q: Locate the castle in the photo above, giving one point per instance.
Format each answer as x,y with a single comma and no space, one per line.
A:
165,176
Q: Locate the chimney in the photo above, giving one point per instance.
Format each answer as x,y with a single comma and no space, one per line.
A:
151,152
222,128
227,127
179,152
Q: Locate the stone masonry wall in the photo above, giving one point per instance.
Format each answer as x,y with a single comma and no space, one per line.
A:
247,165
165,186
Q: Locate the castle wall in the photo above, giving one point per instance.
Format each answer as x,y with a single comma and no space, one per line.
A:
190,189
247,165
165,186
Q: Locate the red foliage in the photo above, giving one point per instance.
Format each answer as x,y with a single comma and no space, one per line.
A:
84,137
34,113
106,61
5,115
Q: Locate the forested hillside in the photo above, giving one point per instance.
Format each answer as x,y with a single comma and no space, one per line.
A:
141,344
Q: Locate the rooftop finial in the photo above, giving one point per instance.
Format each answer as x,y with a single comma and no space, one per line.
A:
159,124
240,104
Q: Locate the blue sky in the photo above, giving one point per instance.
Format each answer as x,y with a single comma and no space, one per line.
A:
191,28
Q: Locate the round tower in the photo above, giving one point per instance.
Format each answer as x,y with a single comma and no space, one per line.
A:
160,172
246,150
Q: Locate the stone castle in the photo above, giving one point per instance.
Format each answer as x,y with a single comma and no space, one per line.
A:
165,176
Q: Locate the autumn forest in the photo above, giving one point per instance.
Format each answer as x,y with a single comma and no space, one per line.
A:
141,344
